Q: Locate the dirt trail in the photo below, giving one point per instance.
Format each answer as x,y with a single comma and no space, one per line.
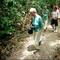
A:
47,49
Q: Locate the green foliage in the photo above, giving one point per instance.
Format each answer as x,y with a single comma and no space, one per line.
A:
11,12
8,16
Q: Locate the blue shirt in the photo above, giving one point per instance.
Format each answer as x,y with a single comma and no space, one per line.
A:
37,22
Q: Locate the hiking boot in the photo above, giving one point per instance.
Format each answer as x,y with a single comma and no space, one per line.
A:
39,43
55,31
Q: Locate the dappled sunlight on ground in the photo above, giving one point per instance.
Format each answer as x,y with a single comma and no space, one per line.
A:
26,52
47,48
54,43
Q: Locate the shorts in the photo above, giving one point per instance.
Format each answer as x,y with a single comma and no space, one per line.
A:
54,22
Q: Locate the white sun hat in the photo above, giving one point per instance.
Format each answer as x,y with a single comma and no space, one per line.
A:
32,10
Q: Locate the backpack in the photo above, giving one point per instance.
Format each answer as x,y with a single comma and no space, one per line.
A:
30,31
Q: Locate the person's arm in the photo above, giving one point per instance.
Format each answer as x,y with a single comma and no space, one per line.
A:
41,23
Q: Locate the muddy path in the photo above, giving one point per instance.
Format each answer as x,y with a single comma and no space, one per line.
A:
47,50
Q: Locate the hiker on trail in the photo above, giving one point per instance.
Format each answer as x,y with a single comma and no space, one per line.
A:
57,9
37,25
45,17
59,15
58,12
54,20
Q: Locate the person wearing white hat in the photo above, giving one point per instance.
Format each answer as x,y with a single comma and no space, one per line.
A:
54,19
33,10
37,24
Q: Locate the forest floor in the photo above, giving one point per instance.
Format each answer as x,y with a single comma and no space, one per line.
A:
48,50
